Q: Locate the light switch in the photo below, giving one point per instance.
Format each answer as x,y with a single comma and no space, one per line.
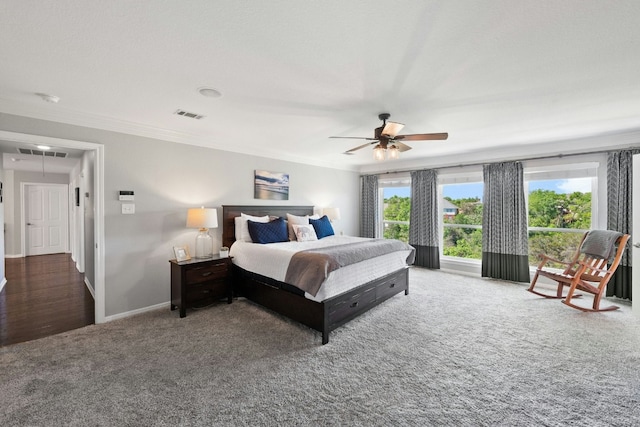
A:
128,208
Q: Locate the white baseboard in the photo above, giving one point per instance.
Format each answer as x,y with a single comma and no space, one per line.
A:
137,311
23,256
13,256
4,282
90,287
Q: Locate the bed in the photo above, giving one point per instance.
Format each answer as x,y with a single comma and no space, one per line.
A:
323,314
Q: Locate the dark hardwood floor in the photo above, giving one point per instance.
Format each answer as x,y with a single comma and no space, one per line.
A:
44,295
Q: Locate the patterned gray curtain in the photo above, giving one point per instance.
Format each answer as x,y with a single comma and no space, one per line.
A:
619,215
423,220
369,205
505,245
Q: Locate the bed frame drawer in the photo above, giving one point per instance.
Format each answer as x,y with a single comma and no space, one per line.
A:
391,285
351,305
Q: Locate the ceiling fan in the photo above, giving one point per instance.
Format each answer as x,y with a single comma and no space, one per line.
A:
386,137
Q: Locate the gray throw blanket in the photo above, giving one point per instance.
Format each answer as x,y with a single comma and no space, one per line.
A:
600,244
308,269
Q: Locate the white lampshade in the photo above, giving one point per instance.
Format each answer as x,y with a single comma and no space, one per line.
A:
202,218
332,213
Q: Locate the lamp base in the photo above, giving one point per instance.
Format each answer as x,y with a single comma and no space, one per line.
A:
204,244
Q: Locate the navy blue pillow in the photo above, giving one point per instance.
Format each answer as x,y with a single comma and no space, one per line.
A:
322,226
268,232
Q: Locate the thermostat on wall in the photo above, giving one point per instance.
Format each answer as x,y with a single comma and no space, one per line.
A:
126,196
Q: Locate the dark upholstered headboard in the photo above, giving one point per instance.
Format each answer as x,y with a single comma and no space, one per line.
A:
229,212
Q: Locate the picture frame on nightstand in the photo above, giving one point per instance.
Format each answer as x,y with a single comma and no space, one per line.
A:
181,253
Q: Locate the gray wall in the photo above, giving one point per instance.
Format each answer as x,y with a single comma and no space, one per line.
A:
88,206
2,221
167,179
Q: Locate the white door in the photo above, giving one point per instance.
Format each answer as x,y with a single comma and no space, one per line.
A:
635,237
47,219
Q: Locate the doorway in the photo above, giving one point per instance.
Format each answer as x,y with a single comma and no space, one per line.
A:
94,234
635,237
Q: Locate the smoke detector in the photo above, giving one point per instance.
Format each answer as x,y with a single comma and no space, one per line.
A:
49,98
209,92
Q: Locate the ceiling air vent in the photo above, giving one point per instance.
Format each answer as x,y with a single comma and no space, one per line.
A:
188,114
41,152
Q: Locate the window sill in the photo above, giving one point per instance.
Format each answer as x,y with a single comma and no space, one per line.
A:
461,265
474,267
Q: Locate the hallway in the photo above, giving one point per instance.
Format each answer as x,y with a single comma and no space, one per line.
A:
44,295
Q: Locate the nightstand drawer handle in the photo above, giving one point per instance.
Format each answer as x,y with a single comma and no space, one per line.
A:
206,273
355,304
392,285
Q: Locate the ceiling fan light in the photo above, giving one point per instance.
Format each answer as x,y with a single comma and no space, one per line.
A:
394,152
378,153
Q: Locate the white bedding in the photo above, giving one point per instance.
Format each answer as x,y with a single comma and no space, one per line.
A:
271,260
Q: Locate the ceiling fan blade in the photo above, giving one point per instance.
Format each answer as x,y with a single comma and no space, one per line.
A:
392,129
423,137
354,137
401,147
358,147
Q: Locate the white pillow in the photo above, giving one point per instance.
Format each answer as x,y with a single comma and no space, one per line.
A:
305,233
242,226
299,220
295,220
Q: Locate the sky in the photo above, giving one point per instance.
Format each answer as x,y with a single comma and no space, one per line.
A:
461,191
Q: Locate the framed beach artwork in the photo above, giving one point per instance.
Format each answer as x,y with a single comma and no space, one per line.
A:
271,185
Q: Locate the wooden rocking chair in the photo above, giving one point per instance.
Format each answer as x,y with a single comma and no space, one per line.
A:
586,272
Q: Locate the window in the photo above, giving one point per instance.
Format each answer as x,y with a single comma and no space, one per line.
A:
461,206
561,209
396,208
561,200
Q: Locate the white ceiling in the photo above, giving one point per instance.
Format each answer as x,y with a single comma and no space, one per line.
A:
498,75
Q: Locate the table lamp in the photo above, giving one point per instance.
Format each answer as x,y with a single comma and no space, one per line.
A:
204,219
332,213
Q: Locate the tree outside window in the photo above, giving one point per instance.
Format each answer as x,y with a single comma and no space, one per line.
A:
558,217
396,212
462,220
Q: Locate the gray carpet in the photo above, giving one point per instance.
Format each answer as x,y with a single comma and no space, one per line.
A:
456,351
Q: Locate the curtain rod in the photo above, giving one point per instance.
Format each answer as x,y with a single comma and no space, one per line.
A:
556,156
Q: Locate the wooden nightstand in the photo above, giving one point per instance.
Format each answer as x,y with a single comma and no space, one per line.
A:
200,282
